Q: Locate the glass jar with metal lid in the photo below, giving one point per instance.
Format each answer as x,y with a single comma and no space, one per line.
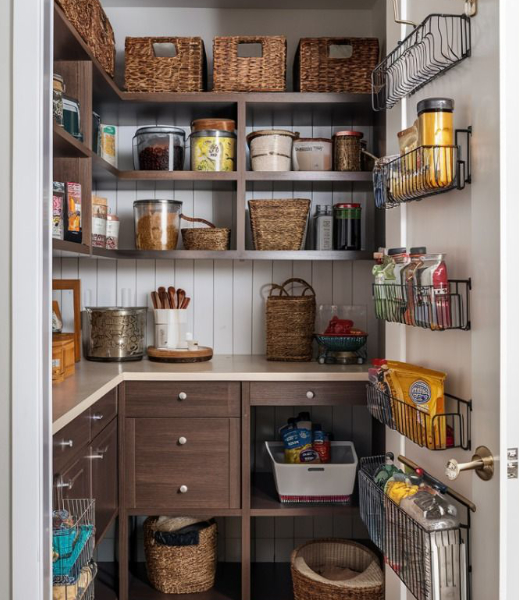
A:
347,224
159,148
157,223
347,150
213,150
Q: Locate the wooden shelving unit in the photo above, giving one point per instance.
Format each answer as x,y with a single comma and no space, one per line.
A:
75,160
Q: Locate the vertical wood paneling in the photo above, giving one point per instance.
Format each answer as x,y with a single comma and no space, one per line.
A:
203,298
69,270
261,279
242,302
106,283
223,307
87,272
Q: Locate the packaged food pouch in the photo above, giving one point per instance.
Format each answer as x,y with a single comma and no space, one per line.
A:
298,443
422,390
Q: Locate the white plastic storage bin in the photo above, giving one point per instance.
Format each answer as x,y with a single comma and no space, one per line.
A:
314,482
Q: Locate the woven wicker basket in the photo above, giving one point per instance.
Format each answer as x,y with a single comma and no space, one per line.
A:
181,569
279,224
290,322
90,21
316,556
315,71
146,72
233,73
200,238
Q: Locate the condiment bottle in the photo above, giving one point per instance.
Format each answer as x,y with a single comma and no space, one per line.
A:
323,227
112,231
99,221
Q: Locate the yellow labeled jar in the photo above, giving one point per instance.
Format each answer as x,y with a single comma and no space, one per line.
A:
213,150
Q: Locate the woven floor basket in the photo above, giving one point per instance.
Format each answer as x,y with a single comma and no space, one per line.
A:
290,323
146,72
181,569
328,553
90,21
233,73
201,238
315,71
279,224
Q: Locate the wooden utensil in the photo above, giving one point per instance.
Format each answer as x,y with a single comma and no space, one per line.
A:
172,297
186,302
161,289
154,300
164,298
181,294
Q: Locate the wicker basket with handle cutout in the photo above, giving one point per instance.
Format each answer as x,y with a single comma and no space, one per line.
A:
279,224
202,238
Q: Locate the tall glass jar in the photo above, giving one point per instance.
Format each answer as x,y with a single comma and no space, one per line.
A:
347,226
157,223
347,150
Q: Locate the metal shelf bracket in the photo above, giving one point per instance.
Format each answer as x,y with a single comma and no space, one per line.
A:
471,8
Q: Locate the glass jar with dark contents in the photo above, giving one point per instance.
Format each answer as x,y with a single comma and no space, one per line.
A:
347,226
159,148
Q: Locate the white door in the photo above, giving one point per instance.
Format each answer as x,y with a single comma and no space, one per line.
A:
466,226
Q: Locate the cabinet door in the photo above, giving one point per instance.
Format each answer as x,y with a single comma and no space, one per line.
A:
103,412
104,477
182,463
75,480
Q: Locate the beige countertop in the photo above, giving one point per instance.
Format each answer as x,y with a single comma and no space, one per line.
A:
93,380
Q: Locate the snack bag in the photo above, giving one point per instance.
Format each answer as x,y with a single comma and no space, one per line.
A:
298,446
422,391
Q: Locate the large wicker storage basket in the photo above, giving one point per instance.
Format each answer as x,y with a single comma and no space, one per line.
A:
279,224
181,569
202,238
90,21
147,72
319,556
290,322
233,73
316,71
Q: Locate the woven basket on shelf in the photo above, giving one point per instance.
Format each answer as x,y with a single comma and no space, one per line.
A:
233,73
290,322
200,238
316,71
321,556
90,21
147,72
181,569
279,224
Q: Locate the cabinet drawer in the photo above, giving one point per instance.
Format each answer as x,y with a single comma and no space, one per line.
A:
74,482
103,412
300,393
182,399
182,463
68,442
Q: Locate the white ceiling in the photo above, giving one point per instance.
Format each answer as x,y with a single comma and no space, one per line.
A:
258,4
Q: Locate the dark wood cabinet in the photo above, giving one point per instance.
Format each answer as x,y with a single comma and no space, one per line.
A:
71,441
74,482
302,393
103,412
103,457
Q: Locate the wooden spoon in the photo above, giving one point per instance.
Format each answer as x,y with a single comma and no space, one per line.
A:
172,297
180,298
156,300
186,302
163,295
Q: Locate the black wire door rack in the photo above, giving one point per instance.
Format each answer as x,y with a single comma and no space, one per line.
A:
446,430
432,564
439,43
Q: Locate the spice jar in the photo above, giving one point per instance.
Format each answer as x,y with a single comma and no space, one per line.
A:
157,223
159,148
58,89
347,226
213,150
347,150
99,220
112,231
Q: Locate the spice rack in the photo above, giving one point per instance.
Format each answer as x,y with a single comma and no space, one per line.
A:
451,429
434,47
423,172
422,305
425,561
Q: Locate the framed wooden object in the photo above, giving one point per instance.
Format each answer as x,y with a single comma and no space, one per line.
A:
75,286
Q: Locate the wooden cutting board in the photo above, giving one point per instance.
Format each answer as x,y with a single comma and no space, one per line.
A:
180,356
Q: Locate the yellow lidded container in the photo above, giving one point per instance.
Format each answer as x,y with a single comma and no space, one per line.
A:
213,150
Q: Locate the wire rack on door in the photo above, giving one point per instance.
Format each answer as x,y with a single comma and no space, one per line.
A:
432,564
450,429
73,542
423,172
425,306
439,43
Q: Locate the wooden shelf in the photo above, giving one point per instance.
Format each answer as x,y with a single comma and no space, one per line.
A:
265,502
351,176
227,586
66,146
62,248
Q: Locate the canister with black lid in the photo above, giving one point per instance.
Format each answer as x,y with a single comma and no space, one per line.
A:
347,226
435,122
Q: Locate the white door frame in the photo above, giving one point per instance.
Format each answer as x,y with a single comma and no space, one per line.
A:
31,300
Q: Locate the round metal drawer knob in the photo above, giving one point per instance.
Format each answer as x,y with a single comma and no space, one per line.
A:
310,395
182,396
182,440
183,489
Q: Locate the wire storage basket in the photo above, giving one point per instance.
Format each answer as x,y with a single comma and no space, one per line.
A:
439,43
450,429
431,563
73,542
425,305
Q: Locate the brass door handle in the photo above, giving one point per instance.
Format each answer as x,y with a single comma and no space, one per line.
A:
482,462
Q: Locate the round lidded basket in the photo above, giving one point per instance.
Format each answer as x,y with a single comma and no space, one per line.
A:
181,569
328,556
290,322
201,238
347,150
